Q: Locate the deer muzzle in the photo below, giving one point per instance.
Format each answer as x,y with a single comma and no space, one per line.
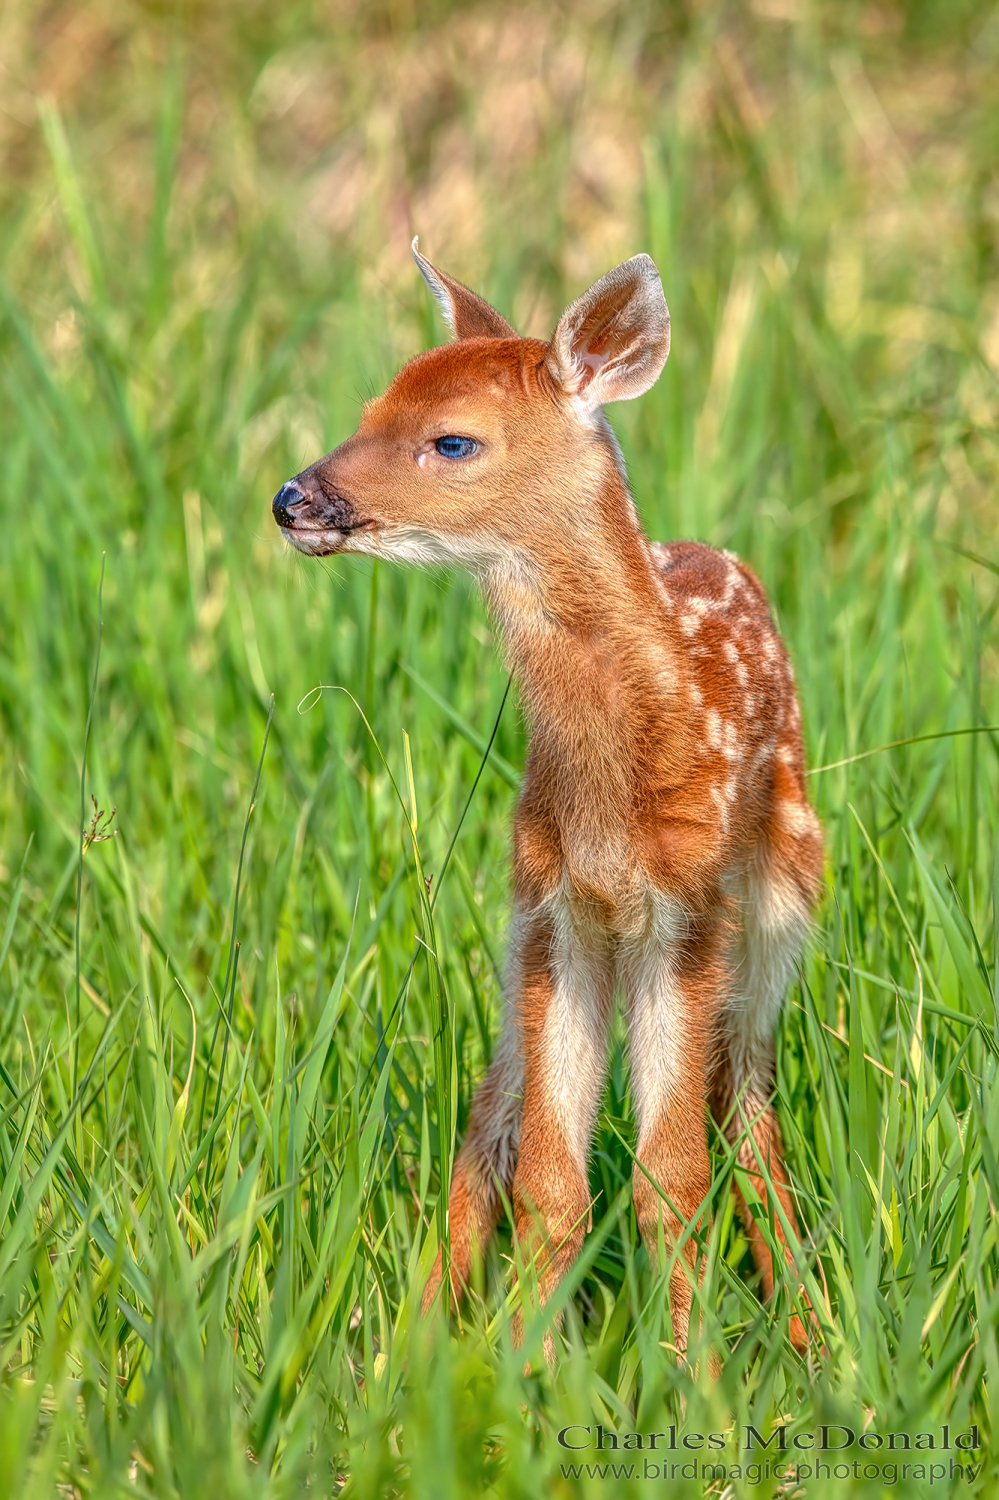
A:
314,520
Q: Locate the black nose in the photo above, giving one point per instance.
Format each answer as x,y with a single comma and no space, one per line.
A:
287,496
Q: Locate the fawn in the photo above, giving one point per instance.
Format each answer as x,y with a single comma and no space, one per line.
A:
663,840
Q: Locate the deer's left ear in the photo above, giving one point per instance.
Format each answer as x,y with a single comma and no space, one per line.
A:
612,344
468,316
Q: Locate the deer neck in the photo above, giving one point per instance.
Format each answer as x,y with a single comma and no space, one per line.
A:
591,646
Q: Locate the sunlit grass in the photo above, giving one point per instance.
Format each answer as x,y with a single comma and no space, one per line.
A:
219,1190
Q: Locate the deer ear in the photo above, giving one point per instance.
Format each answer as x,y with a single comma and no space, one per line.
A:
468,316
612,344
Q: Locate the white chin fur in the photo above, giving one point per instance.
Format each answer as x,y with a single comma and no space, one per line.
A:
412,544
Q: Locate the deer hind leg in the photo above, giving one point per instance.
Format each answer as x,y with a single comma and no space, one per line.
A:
483,1171
673,988
776,899
565,1001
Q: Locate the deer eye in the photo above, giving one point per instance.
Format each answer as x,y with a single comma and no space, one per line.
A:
455,447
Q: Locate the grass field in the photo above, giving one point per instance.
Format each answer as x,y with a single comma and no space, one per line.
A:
223,1114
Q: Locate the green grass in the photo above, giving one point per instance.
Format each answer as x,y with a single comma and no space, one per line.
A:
220,1099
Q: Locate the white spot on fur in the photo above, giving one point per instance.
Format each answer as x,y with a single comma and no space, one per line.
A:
797,817
722,796
665,675
764,753
695,609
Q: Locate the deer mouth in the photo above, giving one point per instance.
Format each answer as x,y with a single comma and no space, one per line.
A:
317,524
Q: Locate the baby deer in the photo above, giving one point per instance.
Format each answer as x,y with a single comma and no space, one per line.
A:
663,841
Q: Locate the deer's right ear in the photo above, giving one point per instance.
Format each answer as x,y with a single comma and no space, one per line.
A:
468,316
612,343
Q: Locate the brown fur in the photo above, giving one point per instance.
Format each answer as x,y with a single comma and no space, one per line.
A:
663,840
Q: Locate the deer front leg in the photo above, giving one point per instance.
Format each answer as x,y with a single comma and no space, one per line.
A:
671,990
565,1001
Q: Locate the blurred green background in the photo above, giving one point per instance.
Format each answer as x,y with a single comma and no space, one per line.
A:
219,1169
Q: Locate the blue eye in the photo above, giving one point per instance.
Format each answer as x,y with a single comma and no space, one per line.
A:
455,447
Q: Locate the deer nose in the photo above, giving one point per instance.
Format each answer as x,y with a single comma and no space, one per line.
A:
288,496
